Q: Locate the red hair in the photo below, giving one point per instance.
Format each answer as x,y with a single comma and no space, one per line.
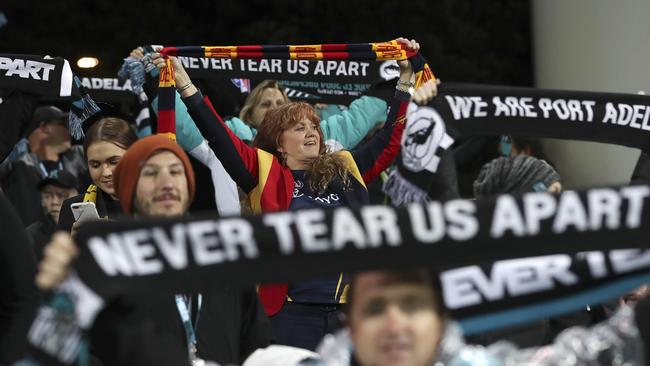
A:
325,167
279,119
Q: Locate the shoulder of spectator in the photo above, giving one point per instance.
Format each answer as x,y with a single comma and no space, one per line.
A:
243,130
351,126
29,159
75,151
34,227
6,167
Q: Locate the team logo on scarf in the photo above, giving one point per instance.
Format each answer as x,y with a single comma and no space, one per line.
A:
425,133
389,70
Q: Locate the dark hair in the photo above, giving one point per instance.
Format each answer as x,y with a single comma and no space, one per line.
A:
110,129
420,277
533,145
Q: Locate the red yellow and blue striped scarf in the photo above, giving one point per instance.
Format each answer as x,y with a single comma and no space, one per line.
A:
381,51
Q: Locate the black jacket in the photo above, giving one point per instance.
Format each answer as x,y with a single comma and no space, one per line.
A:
18,293
39,233
147,330
19,182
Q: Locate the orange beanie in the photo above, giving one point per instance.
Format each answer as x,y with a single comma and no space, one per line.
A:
127,171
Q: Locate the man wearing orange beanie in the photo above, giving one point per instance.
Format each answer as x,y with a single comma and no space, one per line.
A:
154,178
158,173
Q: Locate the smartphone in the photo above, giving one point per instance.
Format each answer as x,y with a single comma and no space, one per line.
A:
84,211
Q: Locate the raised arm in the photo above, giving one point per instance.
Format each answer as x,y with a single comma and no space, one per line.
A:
347,129
187,135
150,87
239,159
378,153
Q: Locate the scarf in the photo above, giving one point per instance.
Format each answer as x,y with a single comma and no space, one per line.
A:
91,194
488,110
51,77
424,142
323,81
48,78
18,108
281,246
465,110
191,254
391,50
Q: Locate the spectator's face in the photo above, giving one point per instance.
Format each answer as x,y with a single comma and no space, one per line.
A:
162,187
103,157
57,134
52,198
393,324
300,143
270,98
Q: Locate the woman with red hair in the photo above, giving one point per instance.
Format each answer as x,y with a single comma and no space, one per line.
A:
288,168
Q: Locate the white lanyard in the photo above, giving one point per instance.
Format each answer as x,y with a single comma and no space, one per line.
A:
44,171
190,333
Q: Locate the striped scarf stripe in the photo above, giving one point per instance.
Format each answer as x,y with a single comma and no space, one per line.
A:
91,194
380,51
166,107
392,50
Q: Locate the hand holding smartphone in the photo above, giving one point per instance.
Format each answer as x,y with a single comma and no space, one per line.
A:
84,211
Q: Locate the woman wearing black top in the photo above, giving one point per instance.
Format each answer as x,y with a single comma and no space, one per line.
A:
104,144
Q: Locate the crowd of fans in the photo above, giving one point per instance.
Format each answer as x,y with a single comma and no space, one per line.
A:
277,155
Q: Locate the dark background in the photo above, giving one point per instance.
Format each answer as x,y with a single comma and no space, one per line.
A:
463,40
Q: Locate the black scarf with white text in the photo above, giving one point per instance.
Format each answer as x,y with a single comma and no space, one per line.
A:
581,241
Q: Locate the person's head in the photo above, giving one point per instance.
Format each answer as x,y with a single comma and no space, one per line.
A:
292,133
516,174
264,97
49,127
105,143
154,178
517,145
57,187
395,318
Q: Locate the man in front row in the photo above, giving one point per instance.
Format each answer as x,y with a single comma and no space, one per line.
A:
397,318
154,179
